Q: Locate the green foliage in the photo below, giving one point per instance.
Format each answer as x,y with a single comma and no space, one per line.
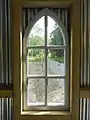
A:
57,39
35,54
37,58
35,40
58,59
34,59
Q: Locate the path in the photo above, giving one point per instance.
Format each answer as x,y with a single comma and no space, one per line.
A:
55,88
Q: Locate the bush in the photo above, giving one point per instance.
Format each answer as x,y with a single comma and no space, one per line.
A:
39,57
58,59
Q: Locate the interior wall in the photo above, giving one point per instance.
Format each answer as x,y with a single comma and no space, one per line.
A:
85,58
5,57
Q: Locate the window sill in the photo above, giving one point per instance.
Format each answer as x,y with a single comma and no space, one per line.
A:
46,113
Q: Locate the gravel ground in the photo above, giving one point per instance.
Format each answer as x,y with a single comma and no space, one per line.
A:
36,91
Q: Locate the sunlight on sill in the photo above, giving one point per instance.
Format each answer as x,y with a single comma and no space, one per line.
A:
45,113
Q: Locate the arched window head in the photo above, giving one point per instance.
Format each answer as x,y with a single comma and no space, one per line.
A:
46,65
37,25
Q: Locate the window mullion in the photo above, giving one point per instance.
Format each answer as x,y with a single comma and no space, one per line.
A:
46,60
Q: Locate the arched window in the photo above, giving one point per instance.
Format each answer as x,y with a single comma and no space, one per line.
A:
46,63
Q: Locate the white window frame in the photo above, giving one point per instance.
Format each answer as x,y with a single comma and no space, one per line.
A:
46,12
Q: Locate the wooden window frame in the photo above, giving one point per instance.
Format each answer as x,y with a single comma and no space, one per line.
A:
12,91
65,47
73,114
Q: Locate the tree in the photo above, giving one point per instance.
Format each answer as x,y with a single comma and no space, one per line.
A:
36,30
57,39
35,40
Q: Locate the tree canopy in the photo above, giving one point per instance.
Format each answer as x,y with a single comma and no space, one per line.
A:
57,39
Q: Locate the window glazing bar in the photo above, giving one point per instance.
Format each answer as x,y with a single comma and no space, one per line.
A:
46,52
61,77
48,47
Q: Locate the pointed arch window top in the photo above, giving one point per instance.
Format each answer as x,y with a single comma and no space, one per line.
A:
46,62
46,25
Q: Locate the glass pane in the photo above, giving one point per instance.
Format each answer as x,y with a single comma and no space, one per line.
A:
36,92
36,36
56,62
55,92
35,62
54,34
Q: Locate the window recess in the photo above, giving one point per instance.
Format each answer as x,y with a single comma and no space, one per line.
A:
45,82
